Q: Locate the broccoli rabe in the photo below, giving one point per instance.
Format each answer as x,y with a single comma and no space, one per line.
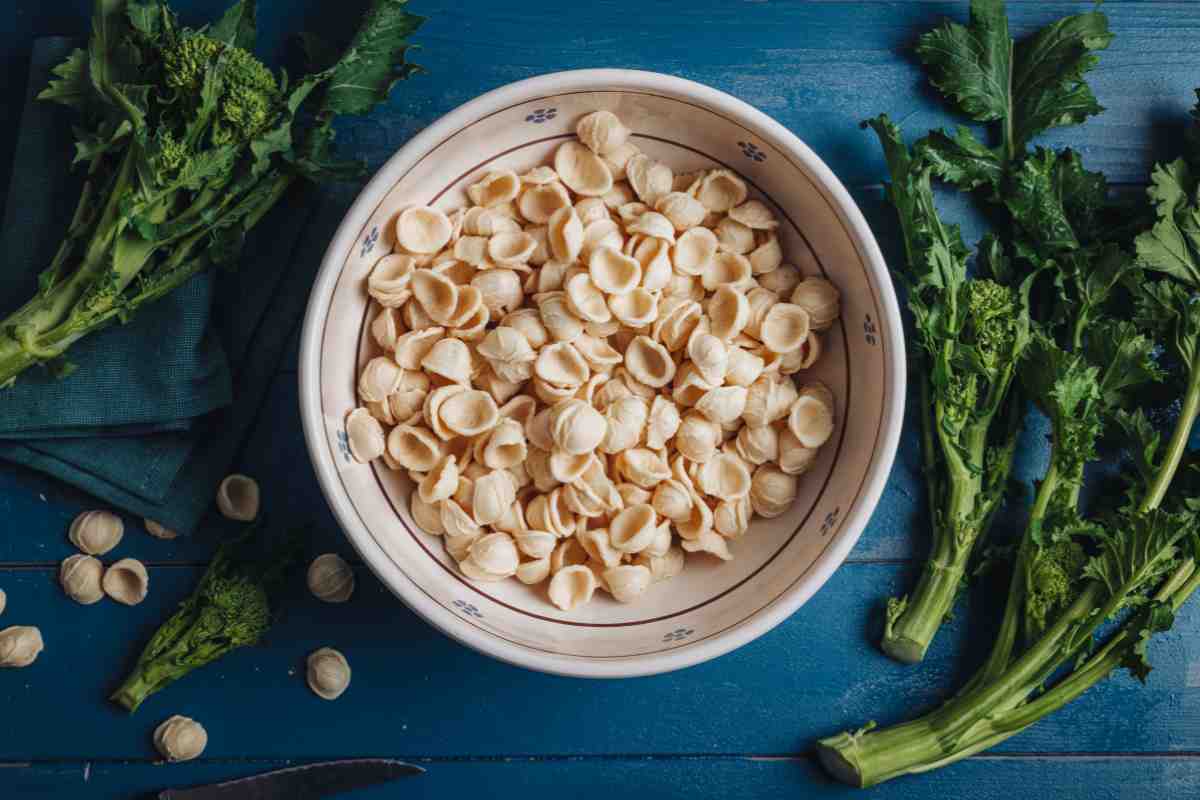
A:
971,333
188,140
230,608
1090,584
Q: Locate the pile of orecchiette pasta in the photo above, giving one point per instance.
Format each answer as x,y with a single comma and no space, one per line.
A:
592,360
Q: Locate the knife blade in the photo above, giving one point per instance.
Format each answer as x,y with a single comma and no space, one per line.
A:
307,782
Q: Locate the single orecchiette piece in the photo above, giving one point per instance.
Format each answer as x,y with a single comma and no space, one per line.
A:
725,477
328,673
364,436
126,581
494,189
576,427
96,532
697,437
389,280
421,229
583,172
20,646
469,413
633,529
649,179
494,494
649,362
80,576
601,132
820,299
673,500
330,578
772,491
721,190
572,587
810,418
627,582
426,515
534,572
180,738
782,281
662,567
708,541
238,498
694,251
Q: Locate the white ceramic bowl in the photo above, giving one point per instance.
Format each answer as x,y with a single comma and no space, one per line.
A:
713,607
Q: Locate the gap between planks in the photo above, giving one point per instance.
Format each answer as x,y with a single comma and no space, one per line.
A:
1186,755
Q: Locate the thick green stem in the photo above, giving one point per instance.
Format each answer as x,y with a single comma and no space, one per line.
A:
916,620
1010,624
965,725
1177,445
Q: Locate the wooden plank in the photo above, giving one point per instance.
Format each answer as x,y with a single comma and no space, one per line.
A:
415,692
817,68
688,779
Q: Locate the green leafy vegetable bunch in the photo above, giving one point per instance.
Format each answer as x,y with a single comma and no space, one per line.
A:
187,140
1112,309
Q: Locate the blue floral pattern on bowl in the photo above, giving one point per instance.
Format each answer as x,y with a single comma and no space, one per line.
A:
751,151
678,635
343,445
830,521
870,331
540,115
468,609
369,242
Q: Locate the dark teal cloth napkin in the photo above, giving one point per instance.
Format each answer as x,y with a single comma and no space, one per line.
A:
145,422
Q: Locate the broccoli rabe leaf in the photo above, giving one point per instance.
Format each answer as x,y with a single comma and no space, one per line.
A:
961,159
1158,617
146,16
72,86
1035,199
1067,387
1174,311
237,26
1125,357
1136,551
1173,244
1140,438
374,60
1028,87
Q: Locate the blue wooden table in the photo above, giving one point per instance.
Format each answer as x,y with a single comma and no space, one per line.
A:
741,726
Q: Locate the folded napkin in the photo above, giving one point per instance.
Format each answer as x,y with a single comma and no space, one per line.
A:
145,421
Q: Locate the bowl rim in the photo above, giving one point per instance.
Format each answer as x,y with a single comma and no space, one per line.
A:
405,588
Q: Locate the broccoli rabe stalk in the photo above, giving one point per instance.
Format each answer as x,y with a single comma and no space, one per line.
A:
971,333
231,607
977,329
1130,567
188,142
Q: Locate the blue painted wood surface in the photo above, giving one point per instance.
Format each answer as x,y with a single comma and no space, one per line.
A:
740,726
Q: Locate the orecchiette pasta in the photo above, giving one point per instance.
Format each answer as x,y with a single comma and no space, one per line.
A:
587,372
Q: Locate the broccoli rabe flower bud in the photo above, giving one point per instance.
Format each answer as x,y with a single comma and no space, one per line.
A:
249,94
186,63
992,311
960,401
1051,583
172,154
